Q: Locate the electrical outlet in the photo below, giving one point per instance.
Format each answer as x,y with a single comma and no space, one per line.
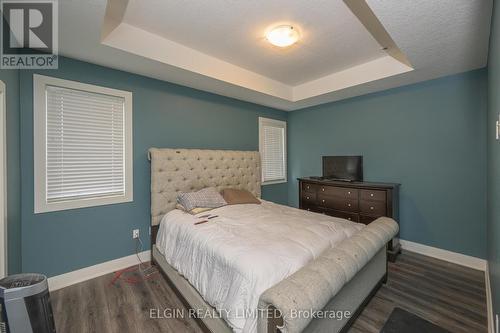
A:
135,233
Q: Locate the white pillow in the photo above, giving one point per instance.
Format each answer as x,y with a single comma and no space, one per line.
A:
206,198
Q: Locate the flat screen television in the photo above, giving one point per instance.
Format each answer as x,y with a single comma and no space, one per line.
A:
345,168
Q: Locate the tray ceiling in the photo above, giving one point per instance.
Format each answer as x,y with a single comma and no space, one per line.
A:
332,38
219,45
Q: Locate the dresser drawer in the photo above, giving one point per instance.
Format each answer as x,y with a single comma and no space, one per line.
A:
376,208
307,187
312,208
343,215
328,201
341,192
308,198
374,195
366,219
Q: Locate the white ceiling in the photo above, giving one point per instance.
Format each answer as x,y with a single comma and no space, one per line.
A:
219,46
332,38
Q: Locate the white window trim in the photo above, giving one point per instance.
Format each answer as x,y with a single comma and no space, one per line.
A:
3,181
40,83
277,123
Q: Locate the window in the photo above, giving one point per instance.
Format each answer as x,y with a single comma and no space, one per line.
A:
83,145
272,147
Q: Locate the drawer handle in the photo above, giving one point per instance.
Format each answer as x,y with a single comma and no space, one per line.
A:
308,209
371,194
323,200
323,189
372,208
349,218
348,205
307,198
349,192
307,186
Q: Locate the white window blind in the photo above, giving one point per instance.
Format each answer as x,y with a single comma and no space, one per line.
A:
272,146
85,144
82,145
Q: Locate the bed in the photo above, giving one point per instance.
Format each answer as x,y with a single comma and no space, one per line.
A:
259,268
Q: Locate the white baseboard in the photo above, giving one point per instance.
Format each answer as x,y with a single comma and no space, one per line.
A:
453,257
489,300
87,273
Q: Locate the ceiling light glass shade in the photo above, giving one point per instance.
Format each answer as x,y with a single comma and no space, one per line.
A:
283,36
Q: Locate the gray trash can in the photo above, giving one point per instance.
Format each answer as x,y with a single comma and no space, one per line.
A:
25,302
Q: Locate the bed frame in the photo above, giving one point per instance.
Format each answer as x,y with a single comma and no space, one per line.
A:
343,278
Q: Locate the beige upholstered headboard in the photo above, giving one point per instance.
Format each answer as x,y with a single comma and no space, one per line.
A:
185,170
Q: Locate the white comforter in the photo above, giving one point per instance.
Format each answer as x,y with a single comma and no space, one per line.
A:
235,257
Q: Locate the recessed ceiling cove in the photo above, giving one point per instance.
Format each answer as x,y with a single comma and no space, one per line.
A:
332,38
346,48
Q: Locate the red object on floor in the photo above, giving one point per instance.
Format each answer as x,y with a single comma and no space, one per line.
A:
137,275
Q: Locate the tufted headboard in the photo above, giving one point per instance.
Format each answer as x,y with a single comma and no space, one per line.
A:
185,170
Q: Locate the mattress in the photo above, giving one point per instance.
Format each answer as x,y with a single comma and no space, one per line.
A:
235,257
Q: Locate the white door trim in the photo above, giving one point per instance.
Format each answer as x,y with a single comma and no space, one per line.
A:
489,300
3,181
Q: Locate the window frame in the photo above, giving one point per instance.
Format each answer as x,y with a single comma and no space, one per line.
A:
40,83
280,124
4,255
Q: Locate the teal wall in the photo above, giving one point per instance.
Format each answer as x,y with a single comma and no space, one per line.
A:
164,115
494,159
11,80
430,137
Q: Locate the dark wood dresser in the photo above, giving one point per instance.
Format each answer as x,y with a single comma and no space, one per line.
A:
361,202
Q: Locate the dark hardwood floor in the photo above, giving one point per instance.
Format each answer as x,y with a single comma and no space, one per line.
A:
451,296
448,295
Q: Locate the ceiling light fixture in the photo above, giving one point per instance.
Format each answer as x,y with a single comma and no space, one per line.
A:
283,36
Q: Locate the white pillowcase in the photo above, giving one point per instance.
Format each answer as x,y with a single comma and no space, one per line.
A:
207,198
